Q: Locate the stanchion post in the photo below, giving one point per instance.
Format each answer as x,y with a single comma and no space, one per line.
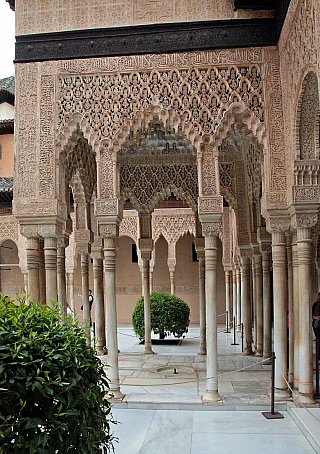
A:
272,414
242,337
234,332
227,323
317,393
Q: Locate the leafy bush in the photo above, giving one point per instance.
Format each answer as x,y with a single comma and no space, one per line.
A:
52,385
169,314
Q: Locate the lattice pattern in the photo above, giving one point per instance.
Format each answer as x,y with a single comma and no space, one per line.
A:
203,95
172,226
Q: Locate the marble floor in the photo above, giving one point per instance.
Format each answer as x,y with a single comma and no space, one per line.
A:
206,432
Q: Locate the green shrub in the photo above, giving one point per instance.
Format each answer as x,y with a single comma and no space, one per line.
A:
169,314
52,385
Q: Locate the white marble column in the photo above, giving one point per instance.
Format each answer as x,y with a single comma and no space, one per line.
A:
85,294
304,243
50,259
239,302
202,302
234,294
290,310
279,260
100,329
109,249
267,304
259,304
71,291
146,294
296,337
42,274
246,305
228,293
25,282
61,275
254,302
172,268
33,268
211,394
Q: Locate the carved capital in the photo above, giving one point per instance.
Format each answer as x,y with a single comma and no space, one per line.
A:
145,246
63,241
199,245
171,264
210,205
210,229
83,236
304,220
107,207
278,224
108,230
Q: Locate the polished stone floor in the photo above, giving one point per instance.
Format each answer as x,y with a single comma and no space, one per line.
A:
206,432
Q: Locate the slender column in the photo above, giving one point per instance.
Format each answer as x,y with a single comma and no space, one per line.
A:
71,291
234,294
228,302
267,304
296,337
172,267
109,250
146,292
239,302
304,243
99,305
33,267
259,304
211,394
50,259
280,311
254,302
85,294
25,282
42,274
290,311
151,279
61,278
202,302
246,305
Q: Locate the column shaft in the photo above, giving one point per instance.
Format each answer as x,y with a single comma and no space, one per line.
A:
71,291
296,337
85,294
234,295
50,259
228,302
246,305
267,304
61,280
33,268
254,302
202,306
211,313
239,302
290,353
147,314
280,311
42,274
259,304
111,314
100,331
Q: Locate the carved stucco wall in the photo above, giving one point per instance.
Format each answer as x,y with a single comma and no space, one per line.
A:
52,15
9,230
202,84
299,49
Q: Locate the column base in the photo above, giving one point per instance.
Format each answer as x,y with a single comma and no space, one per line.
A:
202,351
247,351
148,351
101,351
281,395
116,394
258,352
305,399
267,359
211,397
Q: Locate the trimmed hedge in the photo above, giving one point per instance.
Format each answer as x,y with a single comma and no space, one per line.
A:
169,314
52,385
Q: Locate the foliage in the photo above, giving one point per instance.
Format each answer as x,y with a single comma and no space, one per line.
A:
52,385
169,314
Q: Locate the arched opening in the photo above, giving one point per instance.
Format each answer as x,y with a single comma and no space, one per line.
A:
161,278
11,278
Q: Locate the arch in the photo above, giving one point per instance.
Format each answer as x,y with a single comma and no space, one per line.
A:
308,118
11,279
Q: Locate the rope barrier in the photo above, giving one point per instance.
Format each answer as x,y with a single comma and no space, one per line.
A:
200,380
302,404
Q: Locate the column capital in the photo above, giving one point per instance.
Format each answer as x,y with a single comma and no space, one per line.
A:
108,229
171,264
107,208
199,244
304,219
279,223
41,230
145,247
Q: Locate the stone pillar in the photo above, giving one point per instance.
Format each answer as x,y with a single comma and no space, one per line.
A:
172,267
85,294
253,302
42,273
211,394
145,246
25,282
228,293
246,305
71,291
202,295
280,311
239,302
61,275
234,294
304,243
296,337
50,259
259,304
151,273
33,267
290,311
267,304
109,249
100,331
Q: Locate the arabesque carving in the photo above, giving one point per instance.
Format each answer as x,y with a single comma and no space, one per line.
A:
172,225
